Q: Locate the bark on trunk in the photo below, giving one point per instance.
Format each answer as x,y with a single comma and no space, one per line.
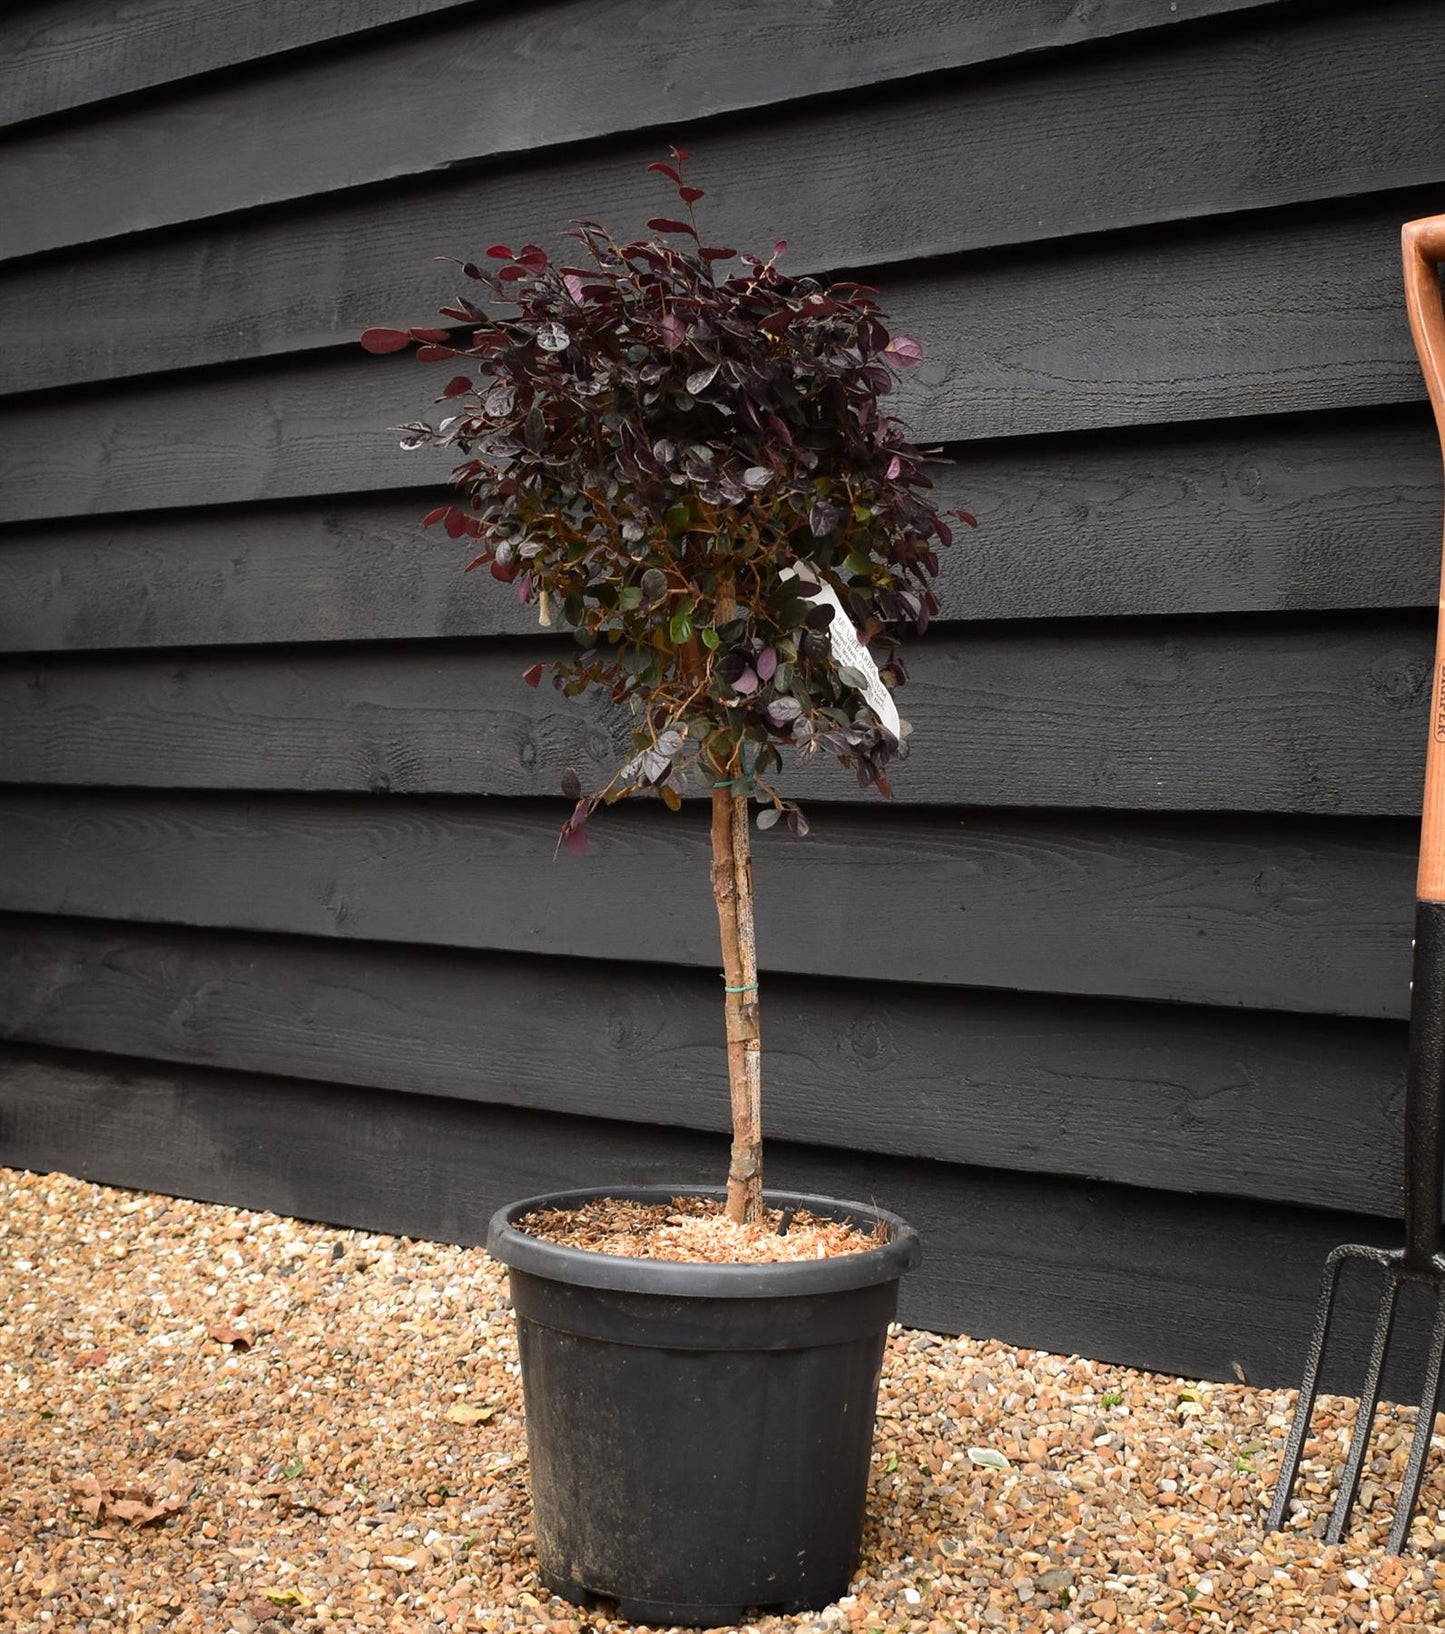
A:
732,888
732,884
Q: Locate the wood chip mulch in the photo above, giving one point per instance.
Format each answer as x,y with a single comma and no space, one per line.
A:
218,1420
695,1230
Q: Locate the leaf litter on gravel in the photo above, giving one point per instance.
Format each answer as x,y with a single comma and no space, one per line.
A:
362,1465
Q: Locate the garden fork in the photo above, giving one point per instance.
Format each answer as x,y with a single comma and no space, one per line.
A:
1420,1261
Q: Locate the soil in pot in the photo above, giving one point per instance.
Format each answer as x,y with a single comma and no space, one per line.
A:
697,1230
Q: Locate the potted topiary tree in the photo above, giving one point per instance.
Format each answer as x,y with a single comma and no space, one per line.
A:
692,469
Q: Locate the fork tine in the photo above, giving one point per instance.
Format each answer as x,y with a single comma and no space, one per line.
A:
1365,1417
1424,1429
1308,1390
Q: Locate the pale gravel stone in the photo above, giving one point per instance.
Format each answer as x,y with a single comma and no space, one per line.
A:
314,1462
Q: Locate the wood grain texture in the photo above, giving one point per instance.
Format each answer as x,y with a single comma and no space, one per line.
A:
1267,317
1295,516
70,52
483,84
1180,1099
1325,718
1193,1287
1266,915
1046,154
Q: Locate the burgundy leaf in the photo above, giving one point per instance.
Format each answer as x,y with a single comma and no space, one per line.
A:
533,676
689,194
665,224
699,381
776,322
666,170
457,385
575,839
571,784
435,516
679,155
500,252
966,516
456,522
438,335
476,561
385,340
709,254
823,518
434,354
798,823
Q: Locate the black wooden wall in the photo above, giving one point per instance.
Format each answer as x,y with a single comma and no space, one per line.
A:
1109,1000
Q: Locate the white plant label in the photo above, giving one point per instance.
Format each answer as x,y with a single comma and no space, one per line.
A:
848,649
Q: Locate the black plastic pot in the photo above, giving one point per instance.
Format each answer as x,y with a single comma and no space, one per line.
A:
699,1435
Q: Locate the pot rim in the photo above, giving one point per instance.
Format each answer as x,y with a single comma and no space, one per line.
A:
585,1267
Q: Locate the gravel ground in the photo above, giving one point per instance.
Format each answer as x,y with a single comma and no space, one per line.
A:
213,1419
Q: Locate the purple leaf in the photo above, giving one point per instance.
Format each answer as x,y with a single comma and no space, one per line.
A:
756,477
571,784
823,518
573,286
698,382
747,682
895,465
903,352
674,332
384,340
552,337
765,663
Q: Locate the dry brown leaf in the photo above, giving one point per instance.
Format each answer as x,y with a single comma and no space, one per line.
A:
103,1501
461,1412
225,1335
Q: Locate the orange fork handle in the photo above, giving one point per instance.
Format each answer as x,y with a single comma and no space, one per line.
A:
1423,246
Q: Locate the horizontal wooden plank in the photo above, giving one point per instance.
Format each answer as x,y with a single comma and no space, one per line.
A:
1242,1104
1256,914
84,51
1194,327
486,83
941,169
1194,1287
1327,718
1214,519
